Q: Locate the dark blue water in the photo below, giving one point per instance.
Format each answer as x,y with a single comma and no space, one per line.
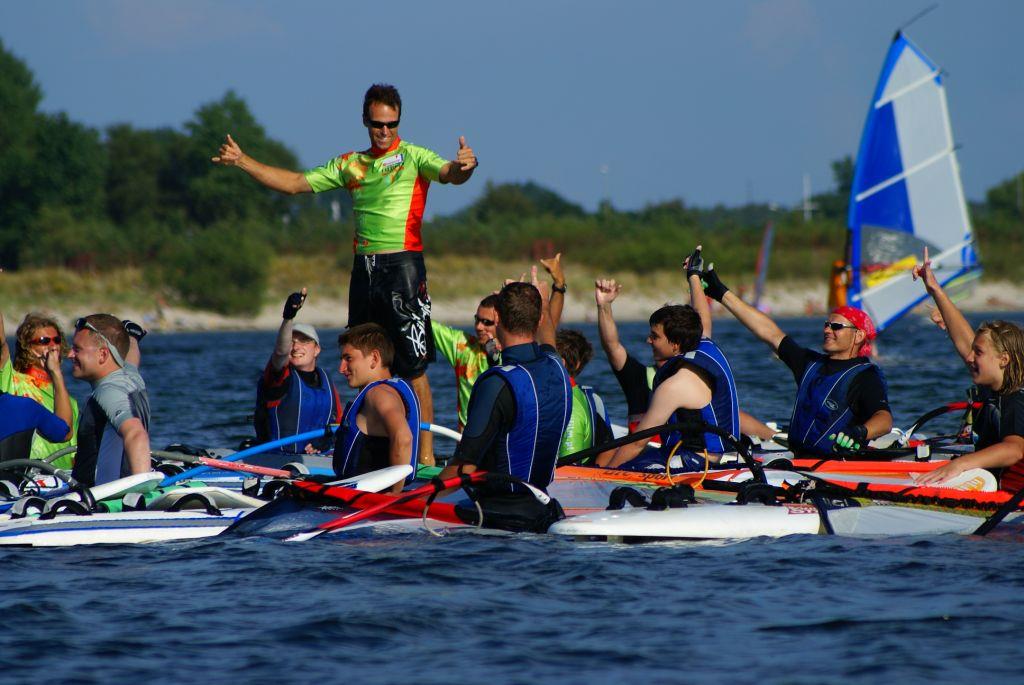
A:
470,609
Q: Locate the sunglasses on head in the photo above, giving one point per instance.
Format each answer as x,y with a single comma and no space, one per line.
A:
836,326
83,323
382,124
486,322
46,340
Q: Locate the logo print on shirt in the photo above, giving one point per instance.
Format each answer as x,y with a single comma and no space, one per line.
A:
392,163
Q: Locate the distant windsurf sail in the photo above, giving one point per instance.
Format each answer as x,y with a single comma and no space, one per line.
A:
906,191
763,257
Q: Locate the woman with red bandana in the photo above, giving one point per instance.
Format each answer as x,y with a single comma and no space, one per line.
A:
842,400
994,355
26,376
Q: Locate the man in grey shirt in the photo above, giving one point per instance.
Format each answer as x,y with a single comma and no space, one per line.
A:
113,433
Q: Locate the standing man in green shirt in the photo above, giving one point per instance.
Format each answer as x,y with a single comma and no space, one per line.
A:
388,183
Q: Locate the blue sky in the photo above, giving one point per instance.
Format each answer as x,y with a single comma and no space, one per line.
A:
713,102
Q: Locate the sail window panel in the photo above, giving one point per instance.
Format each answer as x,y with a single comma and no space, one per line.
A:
889,301
937,204
889,207
880,157
881,248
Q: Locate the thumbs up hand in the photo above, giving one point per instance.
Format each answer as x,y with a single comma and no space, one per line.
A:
465,157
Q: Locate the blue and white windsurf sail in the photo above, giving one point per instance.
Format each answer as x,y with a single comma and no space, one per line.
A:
906,191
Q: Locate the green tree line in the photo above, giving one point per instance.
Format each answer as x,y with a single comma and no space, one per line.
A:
76,197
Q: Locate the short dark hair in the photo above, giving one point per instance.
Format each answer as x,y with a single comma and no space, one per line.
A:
575,349
491,301
681,324
26,333
519,308
384,94
367,337
111,328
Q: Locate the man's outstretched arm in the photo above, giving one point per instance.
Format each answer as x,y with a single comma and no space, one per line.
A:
756,321
275,178
605,292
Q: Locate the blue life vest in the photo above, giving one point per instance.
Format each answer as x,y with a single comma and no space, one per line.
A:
302,409
351,441
723,410
821,407
543,399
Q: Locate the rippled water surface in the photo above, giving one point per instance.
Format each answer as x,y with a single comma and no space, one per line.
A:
471,609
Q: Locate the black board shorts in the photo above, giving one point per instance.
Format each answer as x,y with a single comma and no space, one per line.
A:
391,290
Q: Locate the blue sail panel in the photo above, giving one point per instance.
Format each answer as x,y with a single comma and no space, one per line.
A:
880,158
888,208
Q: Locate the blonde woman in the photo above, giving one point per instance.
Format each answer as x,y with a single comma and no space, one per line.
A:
994,354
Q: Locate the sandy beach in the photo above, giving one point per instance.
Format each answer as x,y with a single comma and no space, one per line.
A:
782,299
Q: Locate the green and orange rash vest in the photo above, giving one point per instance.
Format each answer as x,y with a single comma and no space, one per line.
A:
466,355
36,385
389,193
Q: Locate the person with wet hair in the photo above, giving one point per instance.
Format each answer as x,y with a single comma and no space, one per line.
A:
994,355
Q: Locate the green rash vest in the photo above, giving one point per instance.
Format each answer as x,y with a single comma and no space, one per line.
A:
389,193
579,434
466,355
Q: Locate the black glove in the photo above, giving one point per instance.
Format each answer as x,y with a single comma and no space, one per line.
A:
695,264
713,287
133,329
292,305
852,439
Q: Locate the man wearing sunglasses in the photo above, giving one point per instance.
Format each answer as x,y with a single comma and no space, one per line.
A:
842,400
470,354
388,183
113,432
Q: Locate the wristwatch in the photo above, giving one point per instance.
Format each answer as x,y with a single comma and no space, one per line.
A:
559,288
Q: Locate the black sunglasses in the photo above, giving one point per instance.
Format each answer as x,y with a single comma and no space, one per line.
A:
381,124
836,326
486,322
46,340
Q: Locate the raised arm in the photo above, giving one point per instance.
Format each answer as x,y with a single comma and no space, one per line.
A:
461,168
694,265
757,322
275,178
605,292
61,398
135,335
546,328
283,346
957,326
556,302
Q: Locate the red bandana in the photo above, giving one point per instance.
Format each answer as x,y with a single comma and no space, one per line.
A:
860,319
